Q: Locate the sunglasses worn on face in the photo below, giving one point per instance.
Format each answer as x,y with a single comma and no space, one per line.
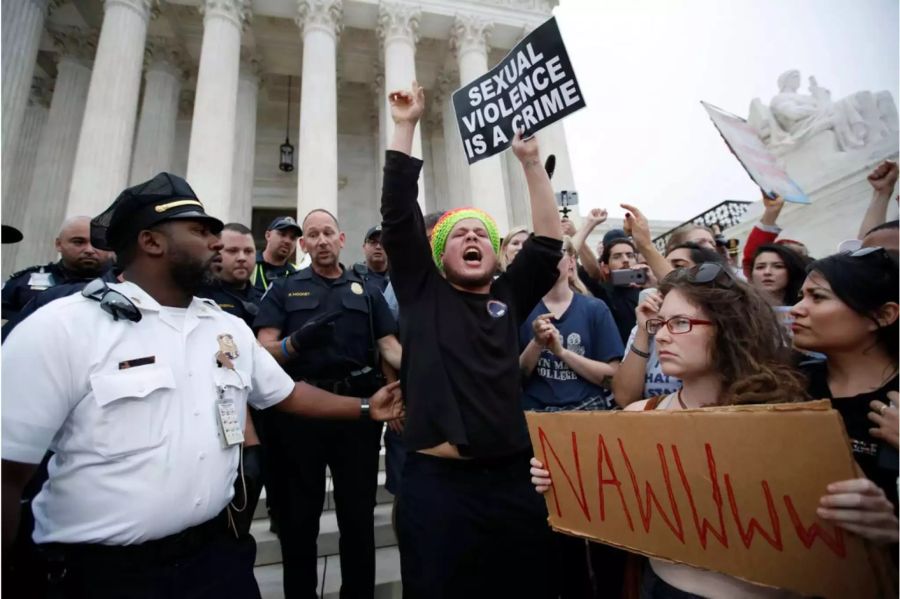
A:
111,301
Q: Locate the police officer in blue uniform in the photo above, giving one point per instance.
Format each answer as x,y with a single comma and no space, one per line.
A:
79,261
375,268
273,262
231,289
328,327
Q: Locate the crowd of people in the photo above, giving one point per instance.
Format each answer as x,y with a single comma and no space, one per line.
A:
165,369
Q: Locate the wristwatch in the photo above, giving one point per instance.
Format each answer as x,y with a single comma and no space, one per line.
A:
364,409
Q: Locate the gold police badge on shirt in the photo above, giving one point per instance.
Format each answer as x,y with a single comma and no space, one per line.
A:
228,350
356,288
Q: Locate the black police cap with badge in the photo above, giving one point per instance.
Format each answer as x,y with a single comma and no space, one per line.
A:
163,198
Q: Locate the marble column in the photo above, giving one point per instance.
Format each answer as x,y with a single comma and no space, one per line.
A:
56,152
22,25
211,153
437,155
459,186
15,200
320,24
103,158
379,108
154,145
398,30
241,206
469,40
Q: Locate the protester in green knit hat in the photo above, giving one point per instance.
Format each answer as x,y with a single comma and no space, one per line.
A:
444,226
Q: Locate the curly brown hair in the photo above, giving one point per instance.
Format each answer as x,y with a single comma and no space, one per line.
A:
750,349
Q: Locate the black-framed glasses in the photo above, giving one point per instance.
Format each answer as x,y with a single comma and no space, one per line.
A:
677,325
709,272
111,301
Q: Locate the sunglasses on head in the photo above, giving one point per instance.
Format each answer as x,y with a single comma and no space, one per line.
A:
706,273
111,301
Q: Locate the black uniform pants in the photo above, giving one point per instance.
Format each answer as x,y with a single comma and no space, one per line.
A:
473,529
303,449
211,564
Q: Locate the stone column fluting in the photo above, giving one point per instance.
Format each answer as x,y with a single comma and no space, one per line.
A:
241,206
103,158
154,144
22,24
15,200
56,152
320,22
398,31
459,187
211,153
379,108
469,40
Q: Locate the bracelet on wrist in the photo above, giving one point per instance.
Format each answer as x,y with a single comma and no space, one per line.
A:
364,408
643,354
284,349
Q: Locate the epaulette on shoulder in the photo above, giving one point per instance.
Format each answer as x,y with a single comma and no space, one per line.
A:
210,303
26,271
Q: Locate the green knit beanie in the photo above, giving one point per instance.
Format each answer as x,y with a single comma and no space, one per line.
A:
442,229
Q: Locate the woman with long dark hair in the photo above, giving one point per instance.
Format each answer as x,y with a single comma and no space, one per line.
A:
778,273
721,338
849,312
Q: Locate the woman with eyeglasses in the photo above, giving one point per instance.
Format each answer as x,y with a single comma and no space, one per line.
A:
640,375
721,338
848,311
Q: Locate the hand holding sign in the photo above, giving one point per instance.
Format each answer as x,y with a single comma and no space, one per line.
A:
860,506
526,150
407,106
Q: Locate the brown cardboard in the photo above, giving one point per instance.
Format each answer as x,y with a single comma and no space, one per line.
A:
755,475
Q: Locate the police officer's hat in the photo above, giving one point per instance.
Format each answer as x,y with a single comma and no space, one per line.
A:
373,232
164,197
285,222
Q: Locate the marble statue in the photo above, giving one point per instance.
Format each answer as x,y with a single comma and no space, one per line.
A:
791,118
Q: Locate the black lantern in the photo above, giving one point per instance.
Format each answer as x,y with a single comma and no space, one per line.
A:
286,163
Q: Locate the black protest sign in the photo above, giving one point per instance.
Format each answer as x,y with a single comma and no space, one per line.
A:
532,87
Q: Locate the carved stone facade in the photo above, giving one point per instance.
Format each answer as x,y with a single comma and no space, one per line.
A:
200,87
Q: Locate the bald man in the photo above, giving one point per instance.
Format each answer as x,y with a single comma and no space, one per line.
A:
79,261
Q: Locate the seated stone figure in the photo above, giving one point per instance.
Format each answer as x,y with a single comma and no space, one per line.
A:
856,121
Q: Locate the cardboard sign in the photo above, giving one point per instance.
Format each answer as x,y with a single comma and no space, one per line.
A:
754,156
532,87
733,490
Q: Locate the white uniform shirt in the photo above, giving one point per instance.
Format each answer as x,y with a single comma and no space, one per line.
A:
139,453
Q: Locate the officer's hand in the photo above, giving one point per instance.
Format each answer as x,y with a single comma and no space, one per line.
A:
317,332
387,403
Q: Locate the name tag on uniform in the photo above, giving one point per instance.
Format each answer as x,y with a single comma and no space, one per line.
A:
229,421
40,280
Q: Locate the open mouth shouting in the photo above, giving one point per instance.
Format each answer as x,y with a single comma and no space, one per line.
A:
472,256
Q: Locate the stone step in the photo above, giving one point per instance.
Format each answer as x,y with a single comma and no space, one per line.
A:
387,576
268,548
382,495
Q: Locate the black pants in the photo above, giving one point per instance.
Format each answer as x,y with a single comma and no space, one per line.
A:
589,569
654,587
219,566
473,529
297,475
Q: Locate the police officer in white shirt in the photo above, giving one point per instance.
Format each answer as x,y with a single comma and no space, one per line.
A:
140,390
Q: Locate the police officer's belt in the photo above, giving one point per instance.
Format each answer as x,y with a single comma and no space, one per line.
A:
162,550
348,384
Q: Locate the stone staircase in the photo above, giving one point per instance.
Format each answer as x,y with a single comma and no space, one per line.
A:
268,569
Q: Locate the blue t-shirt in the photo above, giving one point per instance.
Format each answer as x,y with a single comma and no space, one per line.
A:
587,328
